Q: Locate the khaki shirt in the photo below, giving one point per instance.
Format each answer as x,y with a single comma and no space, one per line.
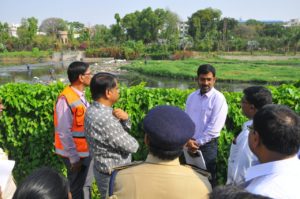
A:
156,178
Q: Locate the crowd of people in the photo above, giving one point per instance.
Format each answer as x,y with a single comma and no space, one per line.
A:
94,142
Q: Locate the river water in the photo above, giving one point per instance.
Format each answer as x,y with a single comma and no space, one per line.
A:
53,71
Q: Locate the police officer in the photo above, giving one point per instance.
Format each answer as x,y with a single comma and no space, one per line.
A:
167,129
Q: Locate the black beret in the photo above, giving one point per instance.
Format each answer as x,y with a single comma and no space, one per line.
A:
168,127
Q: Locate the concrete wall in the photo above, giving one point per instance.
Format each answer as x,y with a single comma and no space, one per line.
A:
68,56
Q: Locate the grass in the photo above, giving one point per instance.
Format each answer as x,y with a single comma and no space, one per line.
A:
227,70
25,54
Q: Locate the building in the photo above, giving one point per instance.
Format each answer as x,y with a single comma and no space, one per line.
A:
292,22
183,28
13,30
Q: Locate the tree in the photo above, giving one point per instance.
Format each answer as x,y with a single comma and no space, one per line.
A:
226,27
101,36
74,27
170,31
252,45
293,37
246,32
117,31
149,26
51,26
27,31
272,30
43,42
204,22
253,22
4,35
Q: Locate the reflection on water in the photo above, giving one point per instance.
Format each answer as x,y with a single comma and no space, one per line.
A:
47,72
133,78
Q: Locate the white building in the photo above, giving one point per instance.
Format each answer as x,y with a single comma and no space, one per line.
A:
13,30
183,28
292,22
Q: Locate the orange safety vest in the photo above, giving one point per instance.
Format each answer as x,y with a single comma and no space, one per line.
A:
77,130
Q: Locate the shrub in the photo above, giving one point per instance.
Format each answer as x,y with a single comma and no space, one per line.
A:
182,55
26,126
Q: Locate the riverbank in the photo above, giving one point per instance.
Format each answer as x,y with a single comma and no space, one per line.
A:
258,71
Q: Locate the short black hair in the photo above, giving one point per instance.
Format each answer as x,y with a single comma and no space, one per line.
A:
164,154
279,128
258,96
233,192
43,183
100,83
75,69
205,69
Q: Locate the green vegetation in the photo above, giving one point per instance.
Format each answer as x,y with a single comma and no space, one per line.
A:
26,126
34,53
160,31
227,70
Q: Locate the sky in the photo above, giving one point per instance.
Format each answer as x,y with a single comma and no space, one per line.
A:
91,12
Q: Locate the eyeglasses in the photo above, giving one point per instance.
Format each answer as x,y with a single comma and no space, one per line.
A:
116,88
87,74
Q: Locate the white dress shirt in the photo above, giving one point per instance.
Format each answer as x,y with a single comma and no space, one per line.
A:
240,158
208,112
277,179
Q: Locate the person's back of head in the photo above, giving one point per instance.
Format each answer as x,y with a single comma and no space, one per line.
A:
44,183
167,129
100,83
233,192
278,128
75,69
258,96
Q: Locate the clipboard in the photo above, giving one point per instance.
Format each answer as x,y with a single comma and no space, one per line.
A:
195,159
5,172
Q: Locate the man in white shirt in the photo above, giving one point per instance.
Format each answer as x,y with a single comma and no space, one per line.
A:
241,157
275,139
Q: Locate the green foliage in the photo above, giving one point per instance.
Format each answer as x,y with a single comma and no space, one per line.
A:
228,70
34,53
4,33
288,95
203,26
27,31
51,26
26,125
114,52
133,49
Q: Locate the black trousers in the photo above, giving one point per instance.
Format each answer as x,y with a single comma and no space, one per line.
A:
210,152
80,182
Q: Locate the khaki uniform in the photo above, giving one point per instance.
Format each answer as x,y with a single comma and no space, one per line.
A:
156,178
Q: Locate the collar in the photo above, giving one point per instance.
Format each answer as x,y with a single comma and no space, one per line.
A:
280,166
99,105
78,92
208,94
154,160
